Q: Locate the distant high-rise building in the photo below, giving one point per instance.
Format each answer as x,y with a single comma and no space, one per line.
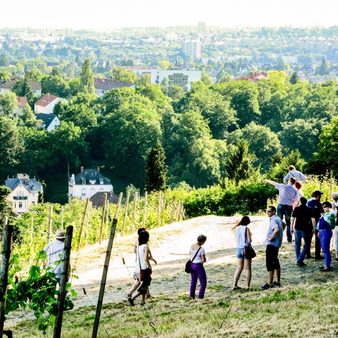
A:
201,27
192,49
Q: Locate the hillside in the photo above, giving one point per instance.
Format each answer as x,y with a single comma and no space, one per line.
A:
303,306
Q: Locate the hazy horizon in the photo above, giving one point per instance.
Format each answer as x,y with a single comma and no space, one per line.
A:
105,15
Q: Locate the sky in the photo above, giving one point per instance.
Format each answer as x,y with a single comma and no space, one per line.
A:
110,14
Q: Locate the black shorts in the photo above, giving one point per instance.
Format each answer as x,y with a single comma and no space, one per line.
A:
272,261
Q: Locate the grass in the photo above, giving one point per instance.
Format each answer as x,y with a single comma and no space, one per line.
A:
306,306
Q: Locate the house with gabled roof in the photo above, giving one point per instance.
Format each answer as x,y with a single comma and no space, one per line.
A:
87,183
22,101
7,86
25,192
46,104
105,85
48,121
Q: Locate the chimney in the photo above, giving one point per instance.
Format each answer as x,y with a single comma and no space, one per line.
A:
82,169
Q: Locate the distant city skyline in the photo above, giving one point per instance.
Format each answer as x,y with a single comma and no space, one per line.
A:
109,14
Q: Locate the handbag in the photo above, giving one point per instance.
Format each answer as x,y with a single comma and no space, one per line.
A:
249,252
188,263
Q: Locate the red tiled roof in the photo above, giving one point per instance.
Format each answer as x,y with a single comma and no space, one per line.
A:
256,76
45,100
22,101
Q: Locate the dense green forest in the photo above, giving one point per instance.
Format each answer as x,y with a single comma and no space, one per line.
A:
229,130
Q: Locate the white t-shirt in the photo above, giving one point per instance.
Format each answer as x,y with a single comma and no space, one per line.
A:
55,255
141,258
198,258
240,236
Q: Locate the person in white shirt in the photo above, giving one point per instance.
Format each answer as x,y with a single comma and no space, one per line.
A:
243,236
143,256
55,254
297,175
197,256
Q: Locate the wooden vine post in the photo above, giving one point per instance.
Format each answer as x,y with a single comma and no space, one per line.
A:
118,205
62,217
135,207
82,225
145,209
159,209
125,211
6,252
104,278
63,282
50,223
103,215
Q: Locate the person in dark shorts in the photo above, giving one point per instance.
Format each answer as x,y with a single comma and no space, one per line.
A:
317,211
273,243
301,226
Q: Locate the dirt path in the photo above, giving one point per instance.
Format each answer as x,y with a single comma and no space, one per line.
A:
169,245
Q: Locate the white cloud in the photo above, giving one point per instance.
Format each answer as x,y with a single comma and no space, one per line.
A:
105,14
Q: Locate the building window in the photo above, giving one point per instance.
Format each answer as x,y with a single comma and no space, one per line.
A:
20,205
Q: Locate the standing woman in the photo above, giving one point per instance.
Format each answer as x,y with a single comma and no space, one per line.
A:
197,256
325,225
335,209
243,235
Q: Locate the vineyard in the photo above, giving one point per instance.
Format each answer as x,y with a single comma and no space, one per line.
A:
33,286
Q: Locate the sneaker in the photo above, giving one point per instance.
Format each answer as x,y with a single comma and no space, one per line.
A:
325,269
301,264
131,301
266,286
276,285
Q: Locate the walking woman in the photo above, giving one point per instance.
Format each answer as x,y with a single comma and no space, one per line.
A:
243,235
143,257
197,256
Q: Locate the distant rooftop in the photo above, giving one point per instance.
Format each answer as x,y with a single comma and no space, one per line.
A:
91,176
31,184
45,100
107,84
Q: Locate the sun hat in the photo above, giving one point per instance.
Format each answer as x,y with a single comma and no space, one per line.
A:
60,235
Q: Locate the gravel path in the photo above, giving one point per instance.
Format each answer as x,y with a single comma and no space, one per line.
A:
170,245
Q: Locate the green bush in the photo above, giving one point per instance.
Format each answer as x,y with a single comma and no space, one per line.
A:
245,199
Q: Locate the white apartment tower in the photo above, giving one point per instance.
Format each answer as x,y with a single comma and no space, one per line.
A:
192,49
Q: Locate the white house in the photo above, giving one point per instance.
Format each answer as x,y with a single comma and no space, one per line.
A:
49,121
87,183
6,87
179,77
105,85
46,104
22,101
24,192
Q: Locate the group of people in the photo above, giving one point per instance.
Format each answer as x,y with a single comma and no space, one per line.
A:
304,219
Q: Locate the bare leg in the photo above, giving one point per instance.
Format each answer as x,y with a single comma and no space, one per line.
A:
278,272
134,287
238,272
271,277
248,272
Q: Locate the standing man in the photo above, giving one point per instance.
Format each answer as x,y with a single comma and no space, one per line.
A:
273,242
317,211
301,226
287,194
297,175
55,254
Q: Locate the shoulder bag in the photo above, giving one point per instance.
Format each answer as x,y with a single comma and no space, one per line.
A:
249,252
188,263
